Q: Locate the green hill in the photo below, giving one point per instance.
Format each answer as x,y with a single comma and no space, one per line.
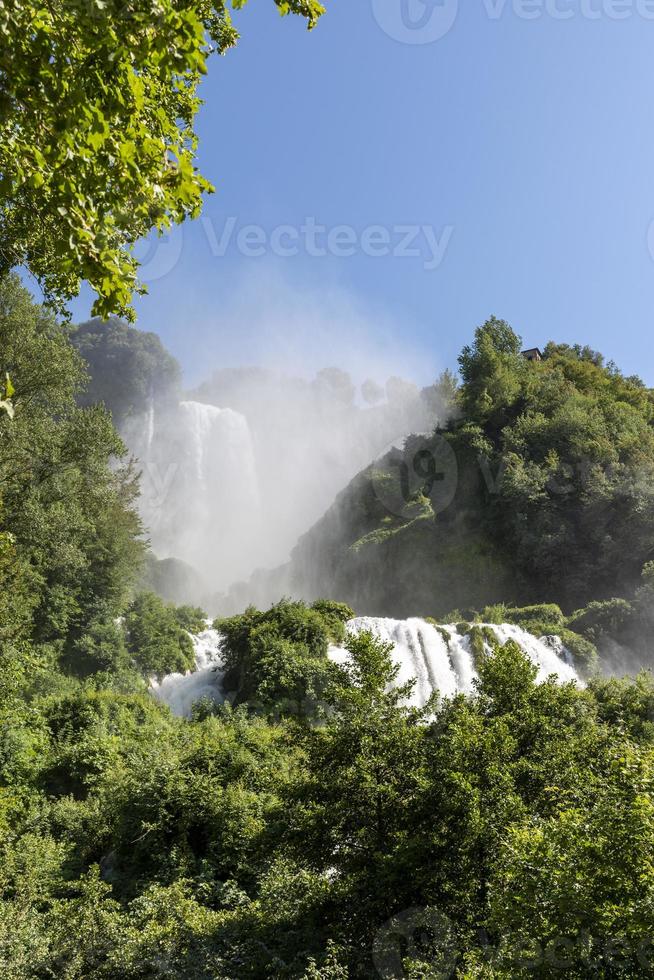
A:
539,489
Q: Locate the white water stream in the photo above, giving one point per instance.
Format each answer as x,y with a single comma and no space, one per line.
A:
181,691
438,658
199,487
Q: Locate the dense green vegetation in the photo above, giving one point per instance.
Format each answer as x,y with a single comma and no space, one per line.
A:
97,143
539,489
314,827
128,369
277,660
510,835
70,533
157,636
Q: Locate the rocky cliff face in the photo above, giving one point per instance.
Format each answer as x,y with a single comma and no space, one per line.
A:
400,550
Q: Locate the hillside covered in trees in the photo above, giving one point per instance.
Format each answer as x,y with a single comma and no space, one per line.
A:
128,369
540,488
316,826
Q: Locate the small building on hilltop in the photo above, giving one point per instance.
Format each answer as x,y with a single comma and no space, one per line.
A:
533,354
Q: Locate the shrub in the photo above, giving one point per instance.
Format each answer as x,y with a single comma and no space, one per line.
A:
155,640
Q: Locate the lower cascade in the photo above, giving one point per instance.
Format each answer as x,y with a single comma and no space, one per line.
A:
438,658
181,691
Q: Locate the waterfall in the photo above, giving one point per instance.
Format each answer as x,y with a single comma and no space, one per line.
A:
181,691
422,653
219,442
150,424
547,653
438,658
199,488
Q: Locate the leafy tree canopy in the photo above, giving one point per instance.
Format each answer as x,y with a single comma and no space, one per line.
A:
97,146
503,834
157,637
128,368
508,833
538,488
71,535
280,656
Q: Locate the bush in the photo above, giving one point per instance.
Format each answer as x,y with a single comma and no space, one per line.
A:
100,648
155,639
584,653
601,618
191,618
278,659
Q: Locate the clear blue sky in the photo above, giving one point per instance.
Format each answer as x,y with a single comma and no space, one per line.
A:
532,140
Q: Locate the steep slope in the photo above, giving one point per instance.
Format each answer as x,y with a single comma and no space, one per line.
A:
416,562
541,490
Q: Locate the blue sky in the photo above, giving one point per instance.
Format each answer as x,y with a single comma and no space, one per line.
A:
522,147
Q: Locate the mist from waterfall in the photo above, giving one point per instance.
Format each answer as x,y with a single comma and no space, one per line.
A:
199,487
233,476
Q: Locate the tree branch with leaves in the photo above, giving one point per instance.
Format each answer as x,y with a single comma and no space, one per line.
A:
97,143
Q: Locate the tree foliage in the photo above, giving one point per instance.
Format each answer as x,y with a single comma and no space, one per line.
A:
129,370
539,487
72,546
316,826
97,145
157,642
279,657
509,833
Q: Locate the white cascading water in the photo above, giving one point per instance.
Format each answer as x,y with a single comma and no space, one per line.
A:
199,488
149,427
181,691
548,653
440,659
437,658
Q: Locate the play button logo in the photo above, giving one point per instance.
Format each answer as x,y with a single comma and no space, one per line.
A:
416,21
